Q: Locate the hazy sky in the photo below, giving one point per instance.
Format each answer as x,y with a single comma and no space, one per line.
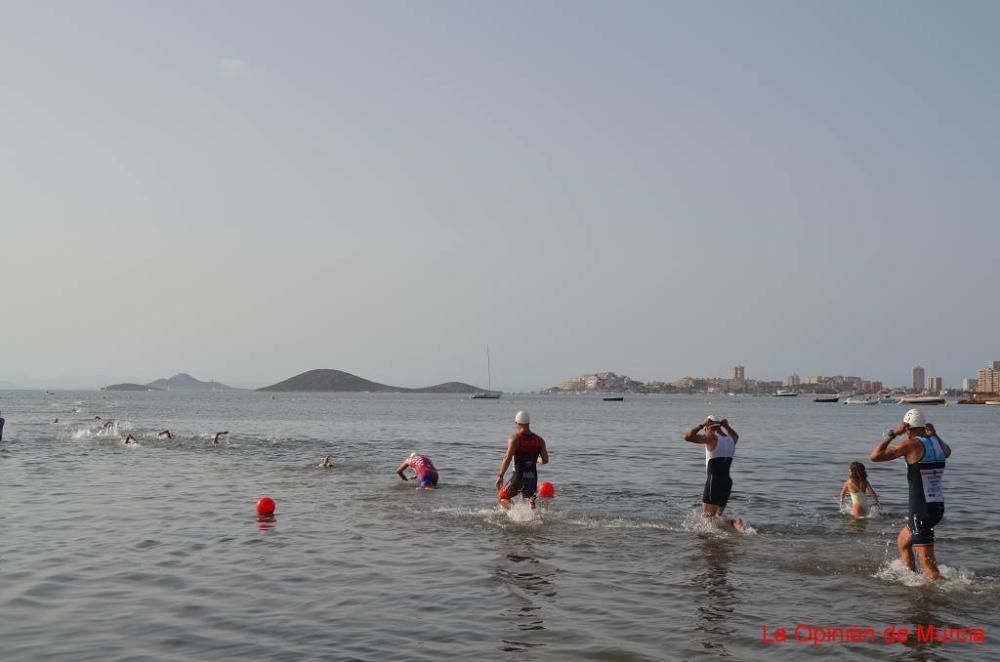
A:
248,190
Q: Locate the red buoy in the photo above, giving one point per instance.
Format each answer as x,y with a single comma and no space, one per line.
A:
546,489
265,506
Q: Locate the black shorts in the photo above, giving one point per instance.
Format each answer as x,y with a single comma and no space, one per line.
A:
922,524
717,489
525,482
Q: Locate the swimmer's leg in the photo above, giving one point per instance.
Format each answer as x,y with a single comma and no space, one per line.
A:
904,541
509,491
714,512
928,562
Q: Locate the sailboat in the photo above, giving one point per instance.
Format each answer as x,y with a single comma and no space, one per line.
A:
489,393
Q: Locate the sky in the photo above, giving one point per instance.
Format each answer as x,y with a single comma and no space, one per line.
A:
245,190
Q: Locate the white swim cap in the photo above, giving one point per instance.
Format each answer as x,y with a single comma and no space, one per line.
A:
522,418
716,420
915,418
412,455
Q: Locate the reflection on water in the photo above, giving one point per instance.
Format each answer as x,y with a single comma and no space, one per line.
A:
716,599
859,525
529,580
922,607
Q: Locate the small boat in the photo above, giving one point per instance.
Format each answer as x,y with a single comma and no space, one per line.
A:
853,400
992,402
922,400
827,398
617,398
786,394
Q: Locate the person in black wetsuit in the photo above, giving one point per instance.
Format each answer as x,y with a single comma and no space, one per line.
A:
526,449
719,440
925,455
2,421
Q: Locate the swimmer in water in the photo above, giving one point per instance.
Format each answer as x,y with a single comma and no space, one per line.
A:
857,485
97,418
2,421
164,434
129,439
326,462
925,454
526,449
427,475
215,440
719,440
108,425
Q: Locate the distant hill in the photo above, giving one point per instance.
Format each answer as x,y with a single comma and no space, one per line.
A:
345,382
329,380
185,382
128,386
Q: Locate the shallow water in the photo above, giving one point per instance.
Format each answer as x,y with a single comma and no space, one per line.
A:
154,552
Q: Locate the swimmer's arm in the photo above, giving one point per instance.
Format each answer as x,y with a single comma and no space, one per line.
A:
544,454
732,433
401,469
511,449
843,491
875,495
883,453
693,436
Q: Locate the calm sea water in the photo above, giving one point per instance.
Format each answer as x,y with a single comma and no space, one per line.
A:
155,552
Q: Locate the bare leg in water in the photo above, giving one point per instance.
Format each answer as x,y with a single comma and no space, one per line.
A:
713,511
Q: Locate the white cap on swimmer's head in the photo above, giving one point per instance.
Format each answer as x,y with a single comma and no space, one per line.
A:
915,418
412,455
716,420
522,418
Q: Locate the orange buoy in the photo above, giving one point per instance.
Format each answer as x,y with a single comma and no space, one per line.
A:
546,489
265,506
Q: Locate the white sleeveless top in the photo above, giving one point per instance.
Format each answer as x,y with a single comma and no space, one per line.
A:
724,447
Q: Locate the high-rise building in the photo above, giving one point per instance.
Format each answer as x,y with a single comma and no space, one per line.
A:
969,384
989,381
738,375
919,379
996,366
935,384
794,380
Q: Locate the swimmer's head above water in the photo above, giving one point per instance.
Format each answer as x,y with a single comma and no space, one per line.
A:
915,419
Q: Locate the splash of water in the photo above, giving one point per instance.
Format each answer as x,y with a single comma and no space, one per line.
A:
952,579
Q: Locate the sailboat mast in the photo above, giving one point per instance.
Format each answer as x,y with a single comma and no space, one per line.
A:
489,371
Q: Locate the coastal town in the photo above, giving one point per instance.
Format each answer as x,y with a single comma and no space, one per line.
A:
977,389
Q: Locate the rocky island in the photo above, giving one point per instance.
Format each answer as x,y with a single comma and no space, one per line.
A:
179,382
338,381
